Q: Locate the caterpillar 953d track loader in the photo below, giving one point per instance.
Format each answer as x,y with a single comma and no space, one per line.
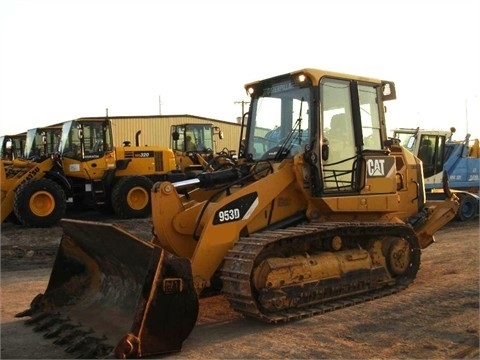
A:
320,211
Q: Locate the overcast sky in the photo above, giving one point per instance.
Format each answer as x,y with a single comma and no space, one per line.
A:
65,59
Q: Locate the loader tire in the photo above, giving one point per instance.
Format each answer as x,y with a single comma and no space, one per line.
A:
12,218
39,203
131,197
468,208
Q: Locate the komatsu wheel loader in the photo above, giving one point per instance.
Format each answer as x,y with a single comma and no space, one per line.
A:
32,192
108,178
320,212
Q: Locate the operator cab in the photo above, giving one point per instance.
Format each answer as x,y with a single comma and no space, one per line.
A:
12,146
86,139
336,122
193,137
42,142
429,146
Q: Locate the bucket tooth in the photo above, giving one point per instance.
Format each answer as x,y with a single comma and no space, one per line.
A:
81,345
33,307
59,330
49,322
38,318
69,337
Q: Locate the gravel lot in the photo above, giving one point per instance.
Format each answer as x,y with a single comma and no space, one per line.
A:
435,318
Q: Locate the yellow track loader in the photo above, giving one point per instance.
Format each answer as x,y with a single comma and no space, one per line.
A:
321,211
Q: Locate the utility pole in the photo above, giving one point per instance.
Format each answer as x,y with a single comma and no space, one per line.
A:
243,102
159,105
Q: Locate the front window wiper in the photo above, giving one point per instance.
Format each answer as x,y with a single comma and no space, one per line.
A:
288,142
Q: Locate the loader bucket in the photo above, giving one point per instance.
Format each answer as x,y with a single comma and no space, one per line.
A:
112,294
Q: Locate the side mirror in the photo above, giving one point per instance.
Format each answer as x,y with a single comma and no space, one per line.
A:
217,131
175,136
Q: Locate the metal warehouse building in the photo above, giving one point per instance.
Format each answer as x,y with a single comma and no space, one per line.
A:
155,129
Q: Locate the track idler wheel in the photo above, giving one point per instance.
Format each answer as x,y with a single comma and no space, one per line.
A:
403,259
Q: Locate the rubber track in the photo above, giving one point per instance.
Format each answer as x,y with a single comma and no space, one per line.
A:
240,260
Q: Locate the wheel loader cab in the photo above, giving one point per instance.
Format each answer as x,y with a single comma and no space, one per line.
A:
89,162
8,148
87,146
193,145
432,147
42,142
12,146
192,137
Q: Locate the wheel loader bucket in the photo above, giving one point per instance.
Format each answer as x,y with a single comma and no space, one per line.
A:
112,294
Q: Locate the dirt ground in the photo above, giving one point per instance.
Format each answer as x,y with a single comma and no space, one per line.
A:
437,317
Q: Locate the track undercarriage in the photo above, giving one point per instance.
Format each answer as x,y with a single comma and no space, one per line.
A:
265,276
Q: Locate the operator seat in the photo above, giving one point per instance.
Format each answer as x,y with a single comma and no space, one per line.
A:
338,127
339,166
425,152
340,138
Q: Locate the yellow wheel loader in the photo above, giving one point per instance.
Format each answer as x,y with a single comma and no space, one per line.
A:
32,192
195,149
108,178
321,211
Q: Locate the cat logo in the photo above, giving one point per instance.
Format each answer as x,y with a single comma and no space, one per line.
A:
376,167
380,166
